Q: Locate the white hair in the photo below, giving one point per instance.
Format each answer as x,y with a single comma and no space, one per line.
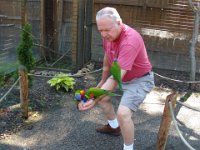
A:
109,12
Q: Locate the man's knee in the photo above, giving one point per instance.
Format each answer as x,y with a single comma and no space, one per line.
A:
124,113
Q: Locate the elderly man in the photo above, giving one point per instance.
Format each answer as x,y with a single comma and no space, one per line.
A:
125,44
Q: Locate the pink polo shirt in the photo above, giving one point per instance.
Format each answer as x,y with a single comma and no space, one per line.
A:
131,51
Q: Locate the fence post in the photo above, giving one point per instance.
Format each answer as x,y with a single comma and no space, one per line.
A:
165,122
24,91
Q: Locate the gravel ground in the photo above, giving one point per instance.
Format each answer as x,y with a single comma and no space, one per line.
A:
55,123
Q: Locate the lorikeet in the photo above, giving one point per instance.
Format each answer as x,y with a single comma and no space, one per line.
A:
97,92
92,93
80,96
116,72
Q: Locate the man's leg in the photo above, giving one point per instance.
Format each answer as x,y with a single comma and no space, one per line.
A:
113,126
124,115
107,107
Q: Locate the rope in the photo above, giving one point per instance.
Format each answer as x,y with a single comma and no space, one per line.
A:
78,75
181,81
9,89
188,106
177,128
74,75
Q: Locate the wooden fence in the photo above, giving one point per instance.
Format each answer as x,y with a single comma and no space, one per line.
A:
68,26
60,27
166,26
10,24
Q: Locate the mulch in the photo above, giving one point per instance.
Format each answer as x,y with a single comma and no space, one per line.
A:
45,98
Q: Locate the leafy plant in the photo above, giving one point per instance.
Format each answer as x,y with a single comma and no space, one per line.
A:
62,81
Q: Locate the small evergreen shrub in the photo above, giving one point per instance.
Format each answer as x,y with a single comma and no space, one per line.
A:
24,49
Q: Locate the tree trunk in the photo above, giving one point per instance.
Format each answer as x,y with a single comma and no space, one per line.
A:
192,48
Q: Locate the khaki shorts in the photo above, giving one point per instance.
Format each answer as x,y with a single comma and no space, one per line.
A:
135,91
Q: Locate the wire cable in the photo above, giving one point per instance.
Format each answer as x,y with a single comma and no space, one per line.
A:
177,128
2,98
181,81
74,75
188,106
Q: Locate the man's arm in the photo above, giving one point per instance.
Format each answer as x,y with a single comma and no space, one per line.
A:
106,83
111,83
105,73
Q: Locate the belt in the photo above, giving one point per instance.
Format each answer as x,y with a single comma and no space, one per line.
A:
148,73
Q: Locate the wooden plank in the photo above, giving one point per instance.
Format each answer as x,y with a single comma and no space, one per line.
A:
187,13
81,34
74,32
120,2
58,24
23,12
157,3
67,10
49,29
42,28
88,30
6,9
55,28
163,27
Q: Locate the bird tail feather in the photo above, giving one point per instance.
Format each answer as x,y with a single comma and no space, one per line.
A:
113,94
120,86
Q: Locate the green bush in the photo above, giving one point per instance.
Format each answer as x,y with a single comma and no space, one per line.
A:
62,81
24,49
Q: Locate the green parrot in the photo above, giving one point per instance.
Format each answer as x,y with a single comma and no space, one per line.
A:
116,72
95,92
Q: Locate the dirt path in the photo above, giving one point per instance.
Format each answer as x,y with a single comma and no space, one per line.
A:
67,128
62,127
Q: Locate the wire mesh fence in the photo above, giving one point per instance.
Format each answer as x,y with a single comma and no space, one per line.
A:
8,43
51,31
10,29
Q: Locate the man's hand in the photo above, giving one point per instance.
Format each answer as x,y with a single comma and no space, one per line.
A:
87,105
